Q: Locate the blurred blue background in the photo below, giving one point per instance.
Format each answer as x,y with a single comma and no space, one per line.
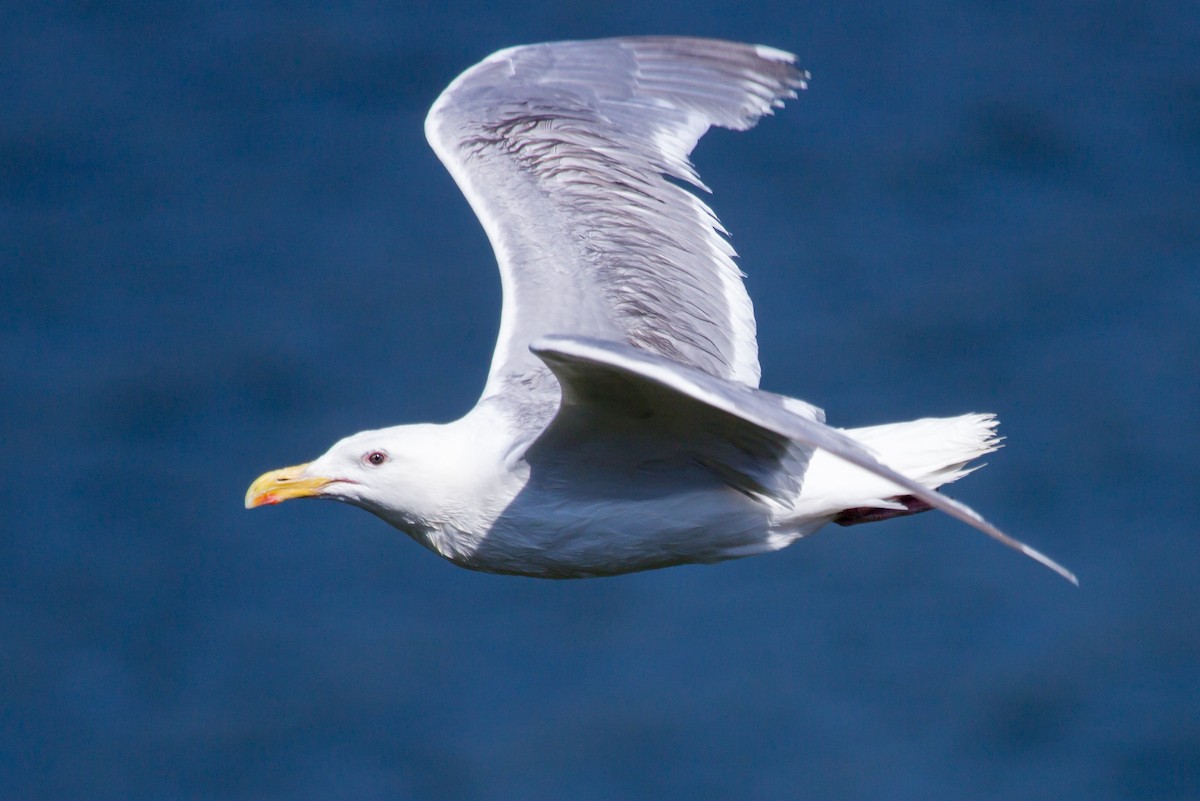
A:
226,244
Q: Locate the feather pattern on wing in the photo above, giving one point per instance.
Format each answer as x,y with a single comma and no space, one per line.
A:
572,357
564,153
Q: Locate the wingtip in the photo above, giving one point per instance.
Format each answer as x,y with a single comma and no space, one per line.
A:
1017,545
1040,557
1032,553
774,54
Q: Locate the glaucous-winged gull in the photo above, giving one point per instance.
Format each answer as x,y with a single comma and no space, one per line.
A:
621,427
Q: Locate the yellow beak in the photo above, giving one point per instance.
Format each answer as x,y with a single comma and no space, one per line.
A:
278,486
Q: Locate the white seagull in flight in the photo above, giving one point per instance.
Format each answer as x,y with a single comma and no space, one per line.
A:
621,427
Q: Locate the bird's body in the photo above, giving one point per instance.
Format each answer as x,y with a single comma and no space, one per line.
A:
621,427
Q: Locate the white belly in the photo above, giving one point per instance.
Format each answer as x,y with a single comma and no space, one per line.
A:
565,538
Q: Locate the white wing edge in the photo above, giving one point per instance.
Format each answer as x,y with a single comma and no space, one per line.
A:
454,165
753,406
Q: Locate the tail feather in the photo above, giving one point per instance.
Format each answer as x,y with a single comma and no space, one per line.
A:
933,451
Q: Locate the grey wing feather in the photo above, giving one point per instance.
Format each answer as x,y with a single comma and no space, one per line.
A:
562,149
624,428
765,410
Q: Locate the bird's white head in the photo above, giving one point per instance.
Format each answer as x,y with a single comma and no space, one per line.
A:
383,471
420,478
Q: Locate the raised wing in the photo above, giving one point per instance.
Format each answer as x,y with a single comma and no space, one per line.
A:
599,378
561,150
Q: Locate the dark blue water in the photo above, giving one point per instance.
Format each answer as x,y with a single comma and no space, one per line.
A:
224,244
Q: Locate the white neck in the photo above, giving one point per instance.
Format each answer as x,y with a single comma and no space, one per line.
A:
464,474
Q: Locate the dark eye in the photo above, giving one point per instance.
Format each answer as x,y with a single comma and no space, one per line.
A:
375,458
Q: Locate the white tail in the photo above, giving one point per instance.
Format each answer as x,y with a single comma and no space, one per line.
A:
932,451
